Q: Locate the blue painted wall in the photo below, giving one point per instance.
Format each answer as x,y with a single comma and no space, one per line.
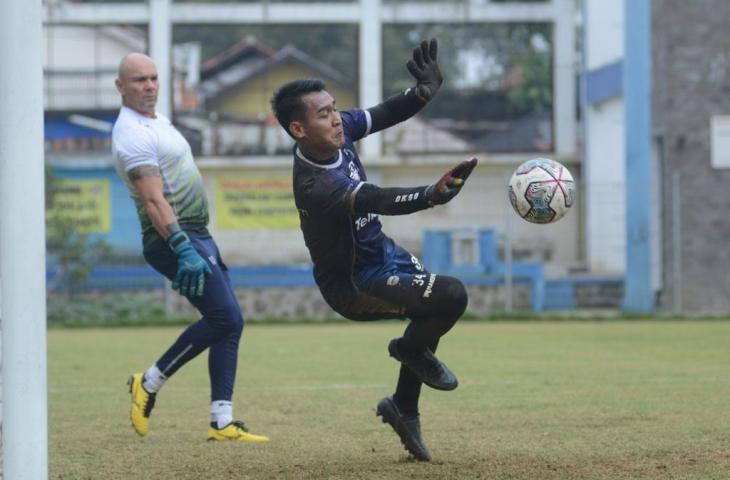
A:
604,83
124,234
546,294
437,257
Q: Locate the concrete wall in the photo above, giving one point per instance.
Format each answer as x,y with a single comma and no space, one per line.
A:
691,72
84,48
482,204
604,186
124,233
82,62
297,303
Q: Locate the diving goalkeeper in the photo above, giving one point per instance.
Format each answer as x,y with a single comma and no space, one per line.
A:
362,273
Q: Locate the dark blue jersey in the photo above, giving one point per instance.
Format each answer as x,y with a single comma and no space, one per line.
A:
346,248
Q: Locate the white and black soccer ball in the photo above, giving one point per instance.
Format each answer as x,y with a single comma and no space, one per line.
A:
541,190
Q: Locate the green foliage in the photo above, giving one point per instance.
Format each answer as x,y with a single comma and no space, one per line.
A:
503,50
535,90
505,45
333,45
508,45
115,309
108,310
75,254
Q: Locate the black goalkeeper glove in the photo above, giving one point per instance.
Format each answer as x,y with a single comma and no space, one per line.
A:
450,184
425,69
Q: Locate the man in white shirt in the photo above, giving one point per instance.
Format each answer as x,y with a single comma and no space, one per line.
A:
156,164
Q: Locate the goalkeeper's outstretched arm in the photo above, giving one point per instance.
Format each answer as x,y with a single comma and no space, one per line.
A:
424,68
395,109
369,198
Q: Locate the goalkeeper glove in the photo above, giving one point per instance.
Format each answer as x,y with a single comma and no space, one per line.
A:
450,184
191,267
425,69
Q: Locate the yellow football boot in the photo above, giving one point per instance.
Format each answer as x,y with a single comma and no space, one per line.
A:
142,404
236,431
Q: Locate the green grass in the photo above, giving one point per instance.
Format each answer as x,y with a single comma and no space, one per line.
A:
537,400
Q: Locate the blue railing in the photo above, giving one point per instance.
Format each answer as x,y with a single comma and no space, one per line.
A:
546,294
119,277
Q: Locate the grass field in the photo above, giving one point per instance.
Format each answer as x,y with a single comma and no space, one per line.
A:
537,400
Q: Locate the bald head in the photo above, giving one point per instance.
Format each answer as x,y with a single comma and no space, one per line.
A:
138,84
132,61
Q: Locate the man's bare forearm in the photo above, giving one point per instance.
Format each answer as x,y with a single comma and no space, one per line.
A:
148,181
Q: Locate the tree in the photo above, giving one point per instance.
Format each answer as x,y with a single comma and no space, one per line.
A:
534,92
333,45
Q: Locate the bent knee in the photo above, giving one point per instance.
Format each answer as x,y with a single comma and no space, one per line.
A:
458,297
453,298
235,320
227,318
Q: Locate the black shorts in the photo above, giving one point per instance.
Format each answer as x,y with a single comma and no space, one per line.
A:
399,293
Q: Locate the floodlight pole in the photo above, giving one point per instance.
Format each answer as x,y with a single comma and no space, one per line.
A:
160,40
638,293
160,51
22,243
371,60
564,104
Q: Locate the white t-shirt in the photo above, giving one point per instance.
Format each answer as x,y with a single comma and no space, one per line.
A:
139,140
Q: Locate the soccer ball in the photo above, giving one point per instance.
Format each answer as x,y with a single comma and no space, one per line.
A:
541,190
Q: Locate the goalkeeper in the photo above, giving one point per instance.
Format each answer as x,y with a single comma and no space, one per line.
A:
156,163
362,273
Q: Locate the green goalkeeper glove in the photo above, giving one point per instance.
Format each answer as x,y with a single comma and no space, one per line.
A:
191,267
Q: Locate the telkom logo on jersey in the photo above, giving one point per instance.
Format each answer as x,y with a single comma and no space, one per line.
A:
361,222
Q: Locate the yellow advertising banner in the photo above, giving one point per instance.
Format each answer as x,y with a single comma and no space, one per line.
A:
86,203
244,203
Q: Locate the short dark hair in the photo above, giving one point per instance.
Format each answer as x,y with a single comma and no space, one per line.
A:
287,100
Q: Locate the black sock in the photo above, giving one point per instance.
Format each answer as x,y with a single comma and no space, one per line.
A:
407,391
424,332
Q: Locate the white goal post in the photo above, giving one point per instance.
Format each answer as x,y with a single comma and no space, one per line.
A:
22,243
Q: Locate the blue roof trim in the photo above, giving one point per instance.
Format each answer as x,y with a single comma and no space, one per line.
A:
58,127
604,83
